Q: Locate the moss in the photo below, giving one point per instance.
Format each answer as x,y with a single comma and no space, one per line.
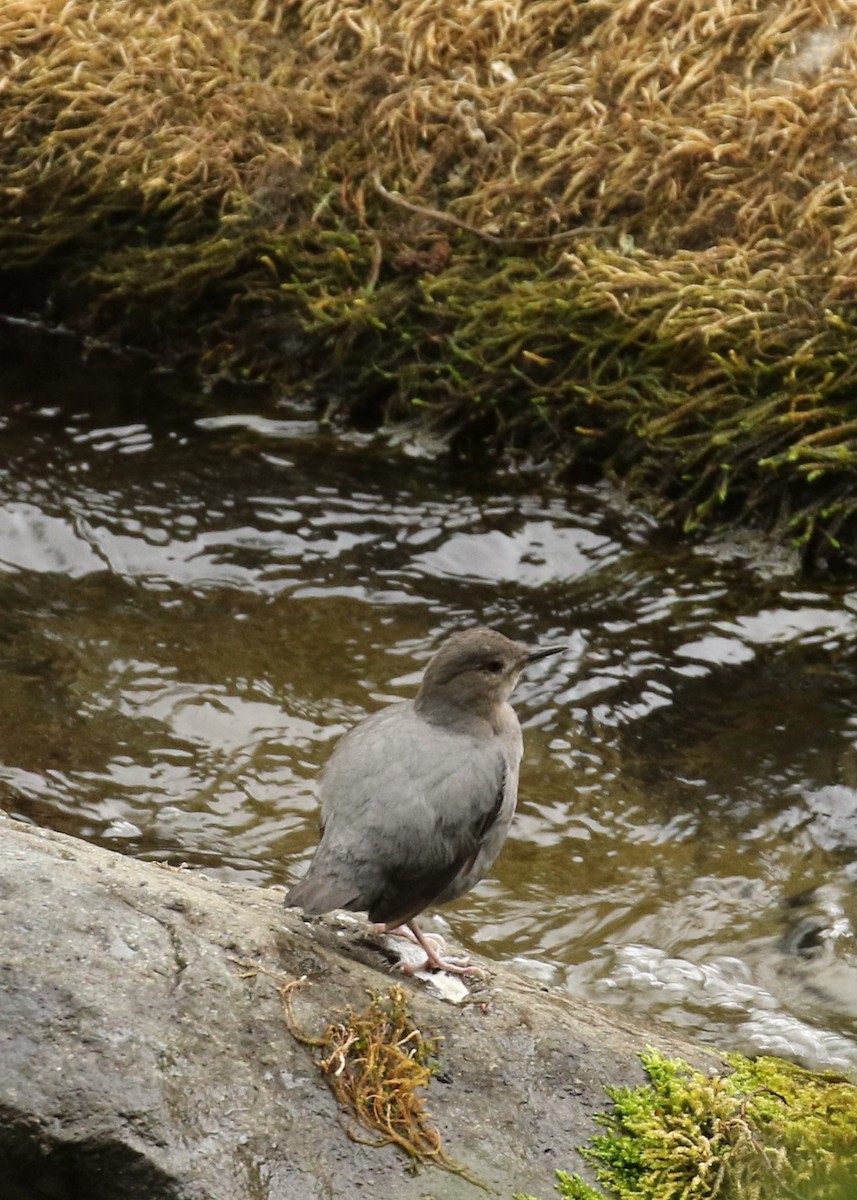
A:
764,1131
610,235
378,1064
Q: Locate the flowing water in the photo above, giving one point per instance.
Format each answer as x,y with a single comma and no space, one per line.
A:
197,598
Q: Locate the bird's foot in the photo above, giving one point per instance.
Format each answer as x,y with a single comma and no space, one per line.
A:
432,944
433,962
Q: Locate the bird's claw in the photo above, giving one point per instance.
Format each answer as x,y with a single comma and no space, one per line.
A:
453,966
433,945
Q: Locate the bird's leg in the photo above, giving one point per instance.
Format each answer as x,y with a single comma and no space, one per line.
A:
455,966
434,939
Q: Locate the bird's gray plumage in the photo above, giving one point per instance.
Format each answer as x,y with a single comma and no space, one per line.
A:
416,800
412,813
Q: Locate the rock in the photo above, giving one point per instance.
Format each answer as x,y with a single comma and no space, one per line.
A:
138,1059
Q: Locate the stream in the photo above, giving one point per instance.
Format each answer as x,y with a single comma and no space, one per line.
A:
198,595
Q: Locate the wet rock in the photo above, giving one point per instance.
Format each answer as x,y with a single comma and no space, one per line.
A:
140,1057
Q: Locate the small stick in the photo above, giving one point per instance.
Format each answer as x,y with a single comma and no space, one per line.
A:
496,240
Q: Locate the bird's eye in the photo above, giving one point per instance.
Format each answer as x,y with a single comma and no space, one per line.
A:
494,666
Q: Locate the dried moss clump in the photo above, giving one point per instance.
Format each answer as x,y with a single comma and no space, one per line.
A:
378,1065
619,236
767,1131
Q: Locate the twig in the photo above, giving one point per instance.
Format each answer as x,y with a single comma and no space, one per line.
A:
496,240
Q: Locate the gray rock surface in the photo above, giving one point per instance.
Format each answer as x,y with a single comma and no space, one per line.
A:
137,1062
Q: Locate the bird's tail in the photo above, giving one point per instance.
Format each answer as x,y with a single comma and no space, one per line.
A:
321,893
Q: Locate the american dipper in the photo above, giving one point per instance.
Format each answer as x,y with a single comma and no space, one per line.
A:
417,799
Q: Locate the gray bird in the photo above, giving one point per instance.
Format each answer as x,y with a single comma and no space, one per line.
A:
416,800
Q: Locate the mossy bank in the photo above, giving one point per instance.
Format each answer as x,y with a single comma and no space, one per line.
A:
613,238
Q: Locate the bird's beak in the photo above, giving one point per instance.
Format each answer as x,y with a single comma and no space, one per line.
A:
535,655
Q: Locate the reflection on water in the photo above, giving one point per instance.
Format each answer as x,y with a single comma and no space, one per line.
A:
192,609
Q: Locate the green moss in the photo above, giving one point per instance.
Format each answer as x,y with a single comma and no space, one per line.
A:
767,1130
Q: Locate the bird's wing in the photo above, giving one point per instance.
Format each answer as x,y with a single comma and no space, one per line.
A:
417,879
405,806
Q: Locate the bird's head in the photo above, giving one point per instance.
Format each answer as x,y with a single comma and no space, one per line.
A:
475,671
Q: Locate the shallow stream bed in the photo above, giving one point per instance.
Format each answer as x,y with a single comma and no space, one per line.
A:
197,596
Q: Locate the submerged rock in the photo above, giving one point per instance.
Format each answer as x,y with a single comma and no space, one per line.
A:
144,1051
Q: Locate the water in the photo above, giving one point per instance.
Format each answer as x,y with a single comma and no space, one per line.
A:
197,598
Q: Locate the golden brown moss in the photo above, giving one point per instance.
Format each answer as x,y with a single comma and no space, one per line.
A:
378,1065
608,232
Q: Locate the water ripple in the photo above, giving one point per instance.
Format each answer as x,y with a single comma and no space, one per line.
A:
192,610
